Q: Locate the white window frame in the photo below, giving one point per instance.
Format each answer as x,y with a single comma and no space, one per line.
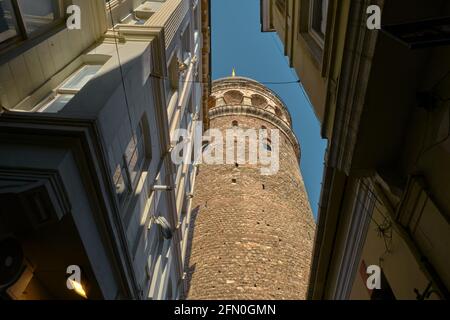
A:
318,37
145,157
186,53
22,34
62,90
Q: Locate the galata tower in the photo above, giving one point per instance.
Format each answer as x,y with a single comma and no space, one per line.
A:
251,233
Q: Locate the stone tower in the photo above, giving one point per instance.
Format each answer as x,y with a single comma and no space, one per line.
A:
252,234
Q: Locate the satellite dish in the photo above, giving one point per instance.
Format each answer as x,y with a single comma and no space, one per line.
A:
11,261
164,226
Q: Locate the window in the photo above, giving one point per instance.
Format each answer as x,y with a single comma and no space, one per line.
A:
196,17
127,174
174,75
160,261
81,78
23,19
197,24
155,250
57,103
318,19
281,5
169,293
267,145
235,123
135,155
205,145
58,100
258,101
122,183
8,24
186,45
278,112
233,97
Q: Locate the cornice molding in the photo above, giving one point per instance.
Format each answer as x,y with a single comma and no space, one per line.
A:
36,185
83,138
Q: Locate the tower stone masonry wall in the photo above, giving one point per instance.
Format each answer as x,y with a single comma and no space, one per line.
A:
251,235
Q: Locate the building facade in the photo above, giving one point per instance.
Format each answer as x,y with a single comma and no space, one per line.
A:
88,120
382,99
252,233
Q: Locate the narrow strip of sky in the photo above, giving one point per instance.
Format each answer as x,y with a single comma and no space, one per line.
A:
237,42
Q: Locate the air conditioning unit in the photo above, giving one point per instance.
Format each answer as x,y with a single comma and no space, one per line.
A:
148,8
15,271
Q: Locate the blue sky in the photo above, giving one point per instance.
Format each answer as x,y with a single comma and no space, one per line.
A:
237,42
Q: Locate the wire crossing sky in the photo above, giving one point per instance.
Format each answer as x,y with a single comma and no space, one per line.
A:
237,42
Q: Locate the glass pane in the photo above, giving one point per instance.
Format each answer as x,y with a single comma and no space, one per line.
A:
57,104
323,25
320,10
83,76
8,26
140,22
186,42
132,168
281,5
38,14
136,160
121,183
129,151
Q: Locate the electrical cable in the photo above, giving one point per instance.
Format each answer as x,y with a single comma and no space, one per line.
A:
280,50
122,75
165,78
381,229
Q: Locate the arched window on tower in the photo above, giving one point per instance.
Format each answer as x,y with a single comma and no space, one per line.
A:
278,112
267,145
233,97
235,124
259,101
205,145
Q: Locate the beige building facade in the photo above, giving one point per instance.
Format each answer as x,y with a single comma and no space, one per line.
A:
88,121
382,99
252,233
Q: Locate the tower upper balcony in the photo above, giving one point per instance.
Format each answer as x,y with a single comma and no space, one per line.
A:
243,96
234,91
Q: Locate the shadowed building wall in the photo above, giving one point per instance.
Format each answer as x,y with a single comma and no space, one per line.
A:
382,98
86,122
252,234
